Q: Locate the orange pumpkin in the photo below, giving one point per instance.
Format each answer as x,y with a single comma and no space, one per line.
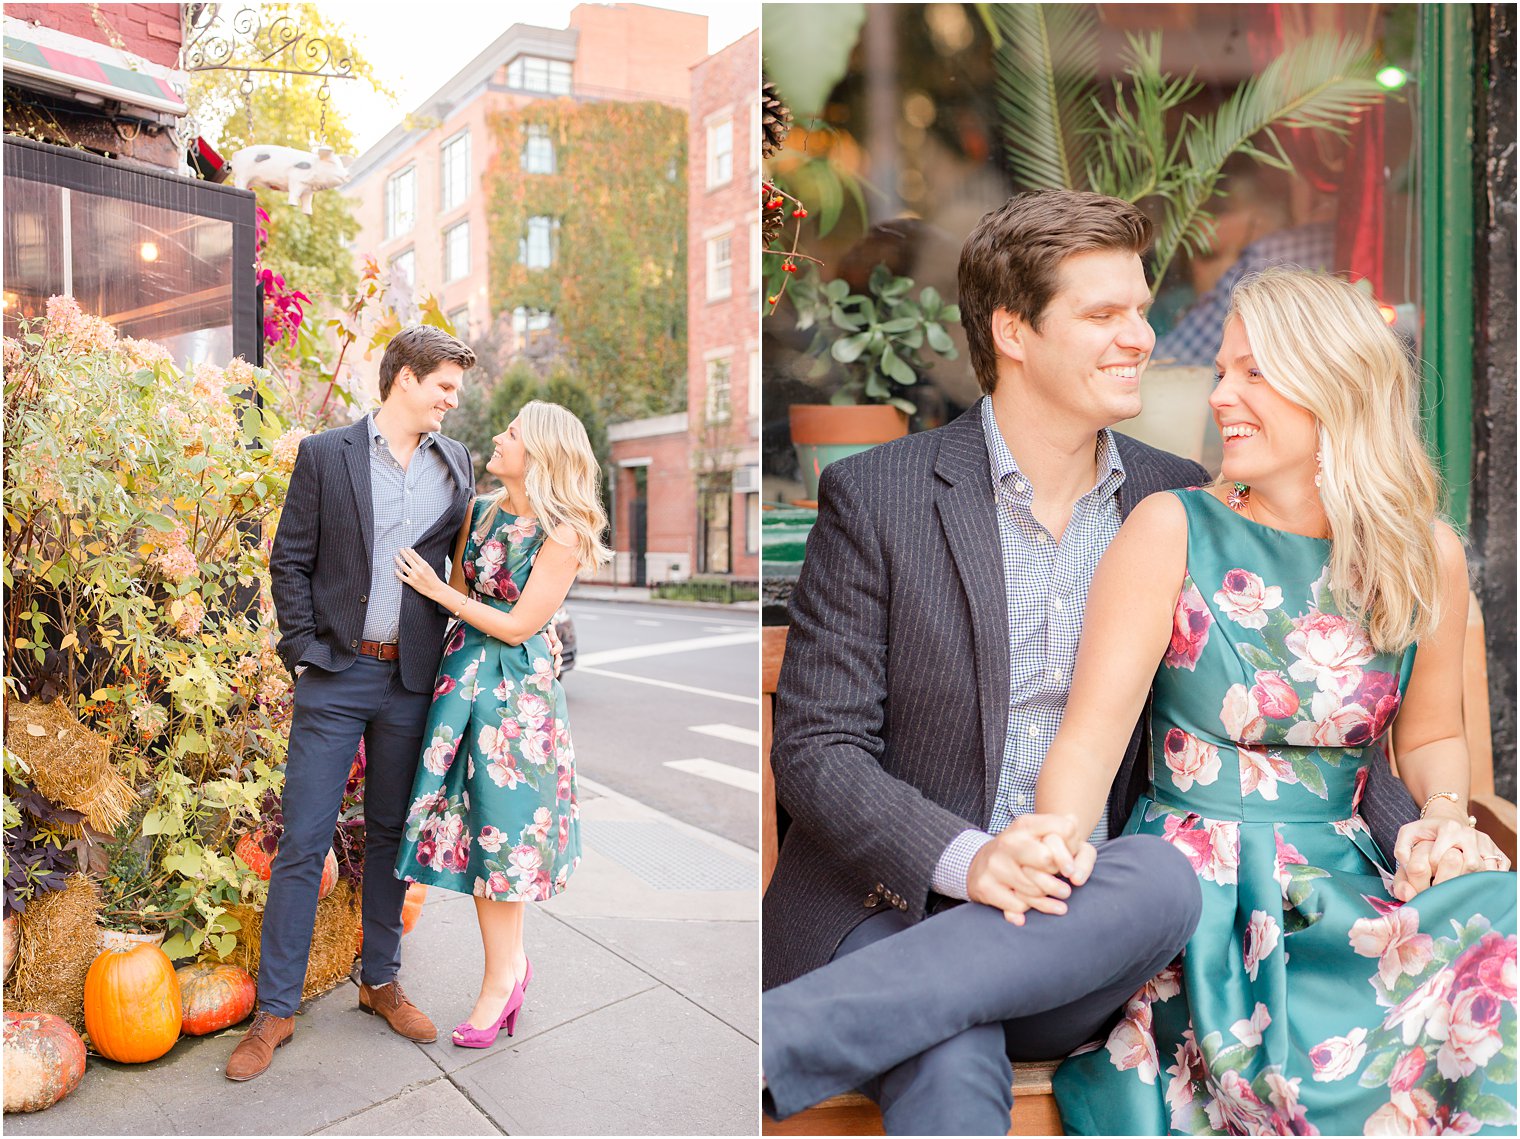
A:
132,1007
251,850
213,997
44,1060
411,909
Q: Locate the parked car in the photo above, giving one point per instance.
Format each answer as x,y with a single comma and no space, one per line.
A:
564,627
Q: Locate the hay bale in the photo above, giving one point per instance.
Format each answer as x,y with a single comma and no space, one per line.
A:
332,941
69,763
59,942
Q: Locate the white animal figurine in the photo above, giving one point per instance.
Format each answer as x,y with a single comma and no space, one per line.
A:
286,168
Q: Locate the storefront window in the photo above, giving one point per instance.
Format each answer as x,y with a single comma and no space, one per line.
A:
922,126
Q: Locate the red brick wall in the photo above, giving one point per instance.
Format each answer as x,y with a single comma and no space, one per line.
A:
725,84
148,30
670,527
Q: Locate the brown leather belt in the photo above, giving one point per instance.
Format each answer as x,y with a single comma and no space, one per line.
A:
380,650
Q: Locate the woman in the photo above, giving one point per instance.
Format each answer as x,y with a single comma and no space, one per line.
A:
1320,992
494,812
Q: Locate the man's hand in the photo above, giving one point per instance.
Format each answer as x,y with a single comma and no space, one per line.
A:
556,649
1436,849
1018,870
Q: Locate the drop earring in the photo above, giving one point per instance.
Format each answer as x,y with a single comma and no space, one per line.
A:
1319,470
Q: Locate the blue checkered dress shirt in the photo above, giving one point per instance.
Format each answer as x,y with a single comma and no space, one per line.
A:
1046,582
406,503
1196,337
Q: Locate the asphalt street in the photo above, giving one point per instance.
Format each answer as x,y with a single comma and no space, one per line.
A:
664,708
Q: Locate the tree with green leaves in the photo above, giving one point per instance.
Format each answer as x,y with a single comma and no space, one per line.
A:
617,286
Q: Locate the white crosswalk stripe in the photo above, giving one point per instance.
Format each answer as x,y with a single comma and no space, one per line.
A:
721,772
730,732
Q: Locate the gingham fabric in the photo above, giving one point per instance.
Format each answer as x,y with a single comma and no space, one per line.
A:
406,503
1046,582
1196,337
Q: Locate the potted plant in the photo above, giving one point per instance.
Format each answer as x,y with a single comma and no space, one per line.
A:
873,346
137,902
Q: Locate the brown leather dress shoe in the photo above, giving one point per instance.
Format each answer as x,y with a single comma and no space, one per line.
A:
404,1017
256,1049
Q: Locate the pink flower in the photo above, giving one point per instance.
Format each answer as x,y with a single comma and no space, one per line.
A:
1260,939
511,729
1213,848
532,708
1335,725
1361,786
564,833
1185,1072
525,859
438,757
1190,629
1407,1113
425,851
1261,771
563,787
1338,1057
505,772
1423,1011
1379,694
1474,1034
1235,1109
1489,964
1240,715
1248,1032
509,590
445,685
1274,696
490,839
1396,941
1330,650
498,883
1190,760
456,642
1132,1045
1408,1070
1245,598
1287,855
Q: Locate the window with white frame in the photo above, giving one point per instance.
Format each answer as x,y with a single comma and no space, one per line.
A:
719,393
538,150
456,251
454,171
534,73
536,249
529,324
720,266
460,319
720,153
404,266
401,202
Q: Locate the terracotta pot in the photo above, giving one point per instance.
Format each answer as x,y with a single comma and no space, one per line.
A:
823,432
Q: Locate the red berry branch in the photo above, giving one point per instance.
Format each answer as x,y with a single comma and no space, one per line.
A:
773,203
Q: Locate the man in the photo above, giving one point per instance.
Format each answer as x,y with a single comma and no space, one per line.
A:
934,630
365,654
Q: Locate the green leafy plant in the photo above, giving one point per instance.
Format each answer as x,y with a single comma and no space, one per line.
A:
876,339
1059,134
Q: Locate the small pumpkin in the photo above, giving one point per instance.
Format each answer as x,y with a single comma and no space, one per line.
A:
44,1060
213,997
250,848
132,1008
411,909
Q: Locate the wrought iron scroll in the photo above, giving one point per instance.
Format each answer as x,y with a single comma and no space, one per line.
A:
211,42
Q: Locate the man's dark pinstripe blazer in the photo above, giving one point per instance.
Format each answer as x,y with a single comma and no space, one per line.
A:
893,698
319,568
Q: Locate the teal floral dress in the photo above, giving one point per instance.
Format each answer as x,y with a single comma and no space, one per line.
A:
494,809
1308,1001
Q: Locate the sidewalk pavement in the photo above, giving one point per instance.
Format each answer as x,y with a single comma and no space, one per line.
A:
643,1018
584,591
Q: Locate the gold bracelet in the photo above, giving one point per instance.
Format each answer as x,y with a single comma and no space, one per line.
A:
466,601
1472,820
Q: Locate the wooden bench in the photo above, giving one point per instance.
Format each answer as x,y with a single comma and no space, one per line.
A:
1034,1107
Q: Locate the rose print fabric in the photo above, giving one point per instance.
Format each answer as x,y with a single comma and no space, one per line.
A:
1309,1001
494,809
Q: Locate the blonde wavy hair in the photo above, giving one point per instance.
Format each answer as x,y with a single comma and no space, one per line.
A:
1324,345
563,480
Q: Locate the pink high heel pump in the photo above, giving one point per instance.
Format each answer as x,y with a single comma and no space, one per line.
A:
467,1035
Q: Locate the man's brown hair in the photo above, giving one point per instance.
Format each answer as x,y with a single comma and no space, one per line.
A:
1013,257
421,347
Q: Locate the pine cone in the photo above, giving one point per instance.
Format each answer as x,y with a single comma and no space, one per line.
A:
770,220
775,120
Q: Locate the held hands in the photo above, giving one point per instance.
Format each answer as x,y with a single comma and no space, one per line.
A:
1437,848
415,572
1022,868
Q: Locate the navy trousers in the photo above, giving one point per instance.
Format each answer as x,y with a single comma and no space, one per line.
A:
333,711
927,1018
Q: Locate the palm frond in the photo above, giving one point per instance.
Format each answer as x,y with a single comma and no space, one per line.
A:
1321,83
1047,62
1131,157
